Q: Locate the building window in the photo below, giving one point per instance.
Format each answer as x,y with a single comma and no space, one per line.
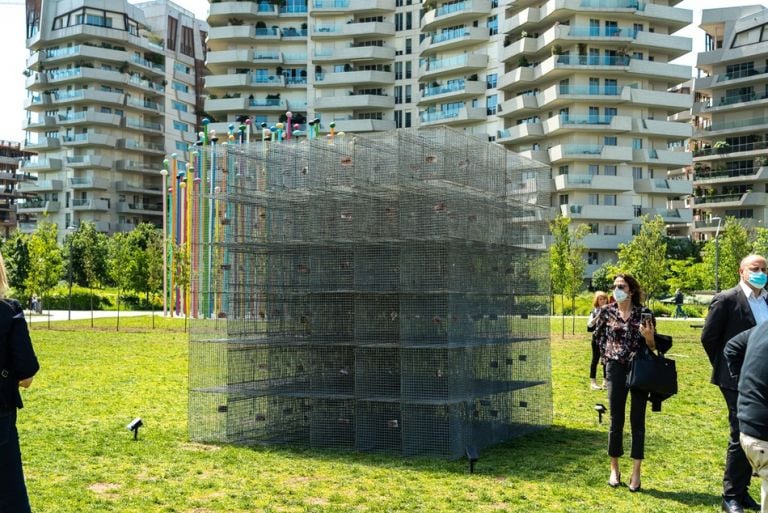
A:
398,71
408,69
609,229
637,173
181,107
592,258
179,86
609,170
173,27
408,20
594,228
408,46
187,41
491,80
493,25
562,170
610,200
181,127
398,95
407,120
490,105
408,93
181,146
398,119
610,140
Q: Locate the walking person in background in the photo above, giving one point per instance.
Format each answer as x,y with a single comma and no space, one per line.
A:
730,313
679,299
599,301
622,329
746,354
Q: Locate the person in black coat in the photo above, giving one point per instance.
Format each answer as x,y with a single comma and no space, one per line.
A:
731,312
746,354
18,364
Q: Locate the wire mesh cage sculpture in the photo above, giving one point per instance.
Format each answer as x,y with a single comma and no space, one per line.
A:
384,292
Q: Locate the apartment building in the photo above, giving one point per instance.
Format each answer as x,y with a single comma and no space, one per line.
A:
111,91
730,140
11,156
586,86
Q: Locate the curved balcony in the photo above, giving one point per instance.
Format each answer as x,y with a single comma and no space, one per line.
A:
354,78
128,187
598,212
521,133
594,153
91,205
454,90
744,175
89,162
363,125
571,182
327,7
41,186
37,206
455,65
42,144
455,38
353,54
89,182
754,199
88,118
138,166
221,12
41,166
558,125
663,187
357,101
662,158
140,208
455,13
457,116
88,139
143,147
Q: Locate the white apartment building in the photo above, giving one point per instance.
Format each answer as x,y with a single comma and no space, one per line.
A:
111,91
730,146
584,86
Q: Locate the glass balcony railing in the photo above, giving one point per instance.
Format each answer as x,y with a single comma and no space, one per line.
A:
715,127
586,120
586,31
427,117
447,88
452,8
270,102
593,60
449,35
613,4
450,62
582,149
590,90
717,198
749,72
330,4
704,174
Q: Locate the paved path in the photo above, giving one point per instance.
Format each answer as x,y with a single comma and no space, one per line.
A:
64,315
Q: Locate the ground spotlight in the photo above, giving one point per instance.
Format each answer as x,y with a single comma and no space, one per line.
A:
134,426
600,409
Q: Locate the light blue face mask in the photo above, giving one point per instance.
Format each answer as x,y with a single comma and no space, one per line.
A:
620,296
757,279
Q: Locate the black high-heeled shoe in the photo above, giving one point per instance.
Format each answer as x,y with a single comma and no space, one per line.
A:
615,484
634,489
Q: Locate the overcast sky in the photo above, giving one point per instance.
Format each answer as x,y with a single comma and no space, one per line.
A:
12,28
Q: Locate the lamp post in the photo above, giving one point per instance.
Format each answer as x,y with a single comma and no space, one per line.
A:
70,231
164,173
717,252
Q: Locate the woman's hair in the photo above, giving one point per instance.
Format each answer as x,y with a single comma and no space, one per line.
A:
637,292
599,294
3,278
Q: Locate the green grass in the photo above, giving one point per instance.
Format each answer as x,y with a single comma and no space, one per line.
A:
80,458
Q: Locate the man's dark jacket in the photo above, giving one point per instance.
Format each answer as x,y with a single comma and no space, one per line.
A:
729,314
747,354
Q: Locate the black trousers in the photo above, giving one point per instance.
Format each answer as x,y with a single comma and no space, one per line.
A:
738,472
595,360
13,491
616,379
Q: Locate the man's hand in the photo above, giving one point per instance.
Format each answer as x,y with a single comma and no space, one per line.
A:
24,383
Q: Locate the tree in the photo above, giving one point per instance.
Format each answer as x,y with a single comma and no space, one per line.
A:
644,257
145,245
566,260
760,244
602,277
118,256
16,254
87,251
45,260
732,245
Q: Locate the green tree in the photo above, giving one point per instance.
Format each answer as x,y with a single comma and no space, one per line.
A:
567,261
144,266
16,255
45,260
87,256
602,277
760,244
723,256
118,258
644,257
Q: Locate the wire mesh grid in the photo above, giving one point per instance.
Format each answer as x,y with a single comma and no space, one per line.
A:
381,293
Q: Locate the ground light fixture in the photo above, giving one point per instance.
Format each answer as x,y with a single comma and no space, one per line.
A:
600,409
134,426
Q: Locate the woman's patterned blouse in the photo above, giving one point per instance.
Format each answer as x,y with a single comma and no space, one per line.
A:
619,339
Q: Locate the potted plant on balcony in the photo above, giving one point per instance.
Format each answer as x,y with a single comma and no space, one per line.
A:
523,61
721,146
557,50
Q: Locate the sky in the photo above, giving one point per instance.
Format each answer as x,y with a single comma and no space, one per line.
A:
13,93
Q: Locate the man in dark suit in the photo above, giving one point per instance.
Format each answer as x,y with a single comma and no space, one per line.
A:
730,313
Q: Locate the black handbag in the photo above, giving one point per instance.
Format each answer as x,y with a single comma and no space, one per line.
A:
649,372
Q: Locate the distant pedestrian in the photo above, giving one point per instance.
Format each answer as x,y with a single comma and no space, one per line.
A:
600,300
33,303
679,299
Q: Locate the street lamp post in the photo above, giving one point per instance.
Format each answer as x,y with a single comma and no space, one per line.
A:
164,173
70,230
717,253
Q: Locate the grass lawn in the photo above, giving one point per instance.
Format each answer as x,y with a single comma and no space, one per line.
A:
79,457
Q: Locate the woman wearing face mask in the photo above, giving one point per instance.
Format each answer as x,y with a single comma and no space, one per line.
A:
622,328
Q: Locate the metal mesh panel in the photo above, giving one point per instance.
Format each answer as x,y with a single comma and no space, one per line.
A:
380,293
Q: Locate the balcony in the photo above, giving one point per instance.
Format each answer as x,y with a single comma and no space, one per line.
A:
455,14
37,206
42,144
122,186
453,90
589,123
606,183
453,116
89,162
89,182
752,174
663,187
670,215
590,153
455,38
456,65
518,106
353,54
598,212
40,166
326,7
144,147
93,205
88,140
662,158
356,101
354,78
140,208
221,12
138,166
41,186
605,241
755,199
88,118
363,125
521,133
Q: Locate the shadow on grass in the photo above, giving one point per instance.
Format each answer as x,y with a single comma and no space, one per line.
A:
692,499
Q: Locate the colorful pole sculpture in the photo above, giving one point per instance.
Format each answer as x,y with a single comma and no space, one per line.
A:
288,118
164,174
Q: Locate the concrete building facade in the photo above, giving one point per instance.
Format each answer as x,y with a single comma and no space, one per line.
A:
112,88
730,141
